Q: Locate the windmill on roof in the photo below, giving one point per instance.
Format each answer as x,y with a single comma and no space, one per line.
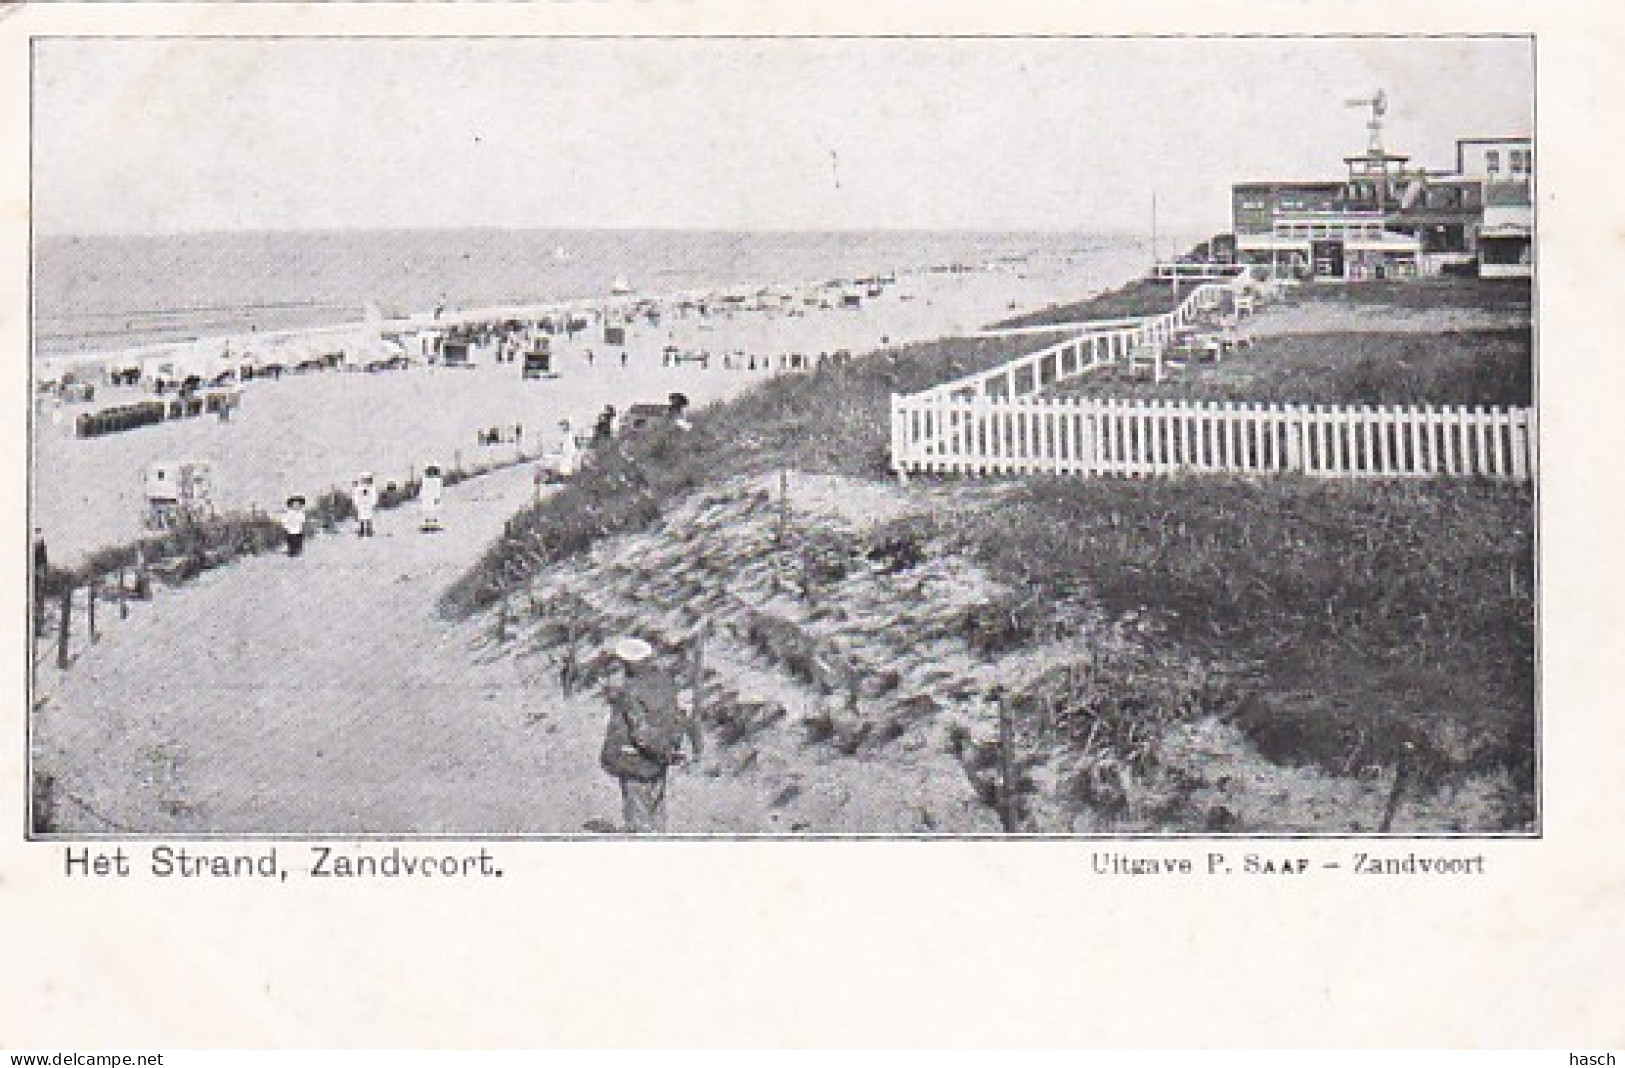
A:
1379,107
1377,177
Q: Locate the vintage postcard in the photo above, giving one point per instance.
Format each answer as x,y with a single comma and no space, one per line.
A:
507,452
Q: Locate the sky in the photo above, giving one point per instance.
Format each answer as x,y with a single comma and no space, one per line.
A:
171,135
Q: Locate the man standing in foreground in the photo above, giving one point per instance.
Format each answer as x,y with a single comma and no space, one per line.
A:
644,736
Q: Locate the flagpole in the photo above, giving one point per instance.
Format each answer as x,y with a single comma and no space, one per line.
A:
1153,233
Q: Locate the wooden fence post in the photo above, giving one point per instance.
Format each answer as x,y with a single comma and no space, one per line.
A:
696,670
567,675
1401,773
123,597
43,816
1007,767
784,507
64,626
90,610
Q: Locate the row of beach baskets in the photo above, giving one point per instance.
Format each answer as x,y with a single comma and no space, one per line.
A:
146,413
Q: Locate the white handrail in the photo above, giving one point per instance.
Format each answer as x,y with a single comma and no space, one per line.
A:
1113,337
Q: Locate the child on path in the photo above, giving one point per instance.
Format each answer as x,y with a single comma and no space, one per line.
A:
566,454
431,495
366,505
293,525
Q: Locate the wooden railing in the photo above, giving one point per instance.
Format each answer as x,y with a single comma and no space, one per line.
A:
1166,271
1074,436
1095,345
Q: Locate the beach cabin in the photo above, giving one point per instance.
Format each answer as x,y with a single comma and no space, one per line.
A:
641,417
188,369
420,346
177,492
263,361
124,372
376,354
456,350
538,362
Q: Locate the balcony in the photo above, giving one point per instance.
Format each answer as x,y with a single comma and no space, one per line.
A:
1508,194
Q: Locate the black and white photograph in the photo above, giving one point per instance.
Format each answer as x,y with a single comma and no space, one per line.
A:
942,437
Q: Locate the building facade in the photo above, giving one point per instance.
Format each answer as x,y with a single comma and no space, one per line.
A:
1505,168
1389,219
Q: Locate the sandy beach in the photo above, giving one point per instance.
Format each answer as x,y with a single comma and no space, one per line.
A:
308,433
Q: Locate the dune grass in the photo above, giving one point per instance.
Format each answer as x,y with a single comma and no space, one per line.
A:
1359,624
1138,298
836,421
1472,368
1426,294
1402,611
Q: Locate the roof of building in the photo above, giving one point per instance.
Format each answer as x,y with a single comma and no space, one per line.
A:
1318,183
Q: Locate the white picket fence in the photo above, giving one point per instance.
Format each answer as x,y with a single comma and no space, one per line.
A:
1077,436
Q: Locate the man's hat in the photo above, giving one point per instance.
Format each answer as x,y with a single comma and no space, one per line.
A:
632,650
296,501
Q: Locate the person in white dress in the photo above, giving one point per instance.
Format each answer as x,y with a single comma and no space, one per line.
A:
566,454
366,505
431,496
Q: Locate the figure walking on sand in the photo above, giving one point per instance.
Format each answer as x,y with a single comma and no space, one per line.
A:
431,496
644,737
365,498
565,457
293,525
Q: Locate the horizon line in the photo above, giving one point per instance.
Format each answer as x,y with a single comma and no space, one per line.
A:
452,228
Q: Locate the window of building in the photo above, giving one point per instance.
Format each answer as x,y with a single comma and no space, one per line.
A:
1492,161
1519,162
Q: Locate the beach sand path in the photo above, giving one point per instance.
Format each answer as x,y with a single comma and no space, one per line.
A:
324,694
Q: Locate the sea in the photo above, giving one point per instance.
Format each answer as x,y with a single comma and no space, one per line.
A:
95,294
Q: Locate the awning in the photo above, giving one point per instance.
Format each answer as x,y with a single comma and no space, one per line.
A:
1387,242
1271,243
